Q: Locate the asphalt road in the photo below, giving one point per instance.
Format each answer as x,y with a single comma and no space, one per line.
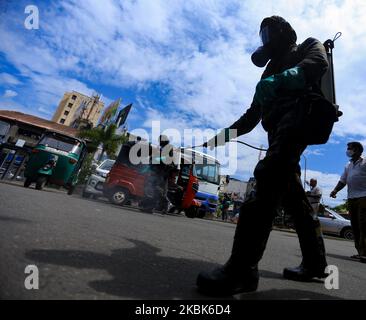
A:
86,249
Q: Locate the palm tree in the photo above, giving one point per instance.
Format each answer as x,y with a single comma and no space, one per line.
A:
106,137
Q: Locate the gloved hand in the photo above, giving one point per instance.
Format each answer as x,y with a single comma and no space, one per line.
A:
218,140
333,194
266,89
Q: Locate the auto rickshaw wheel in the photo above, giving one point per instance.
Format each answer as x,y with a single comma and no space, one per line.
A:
201,214
191,212
27,182
41,182
119,196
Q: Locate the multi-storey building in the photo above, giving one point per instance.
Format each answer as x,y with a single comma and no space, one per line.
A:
76,107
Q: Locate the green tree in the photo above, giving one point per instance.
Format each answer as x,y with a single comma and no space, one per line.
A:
106,137
86,169
342,208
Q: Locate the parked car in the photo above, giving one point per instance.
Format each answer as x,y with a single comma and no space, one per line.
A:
331,222
334,224
94,186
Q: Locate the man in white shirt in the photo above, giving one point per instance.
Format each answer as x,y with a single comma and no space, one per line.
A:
354,176
314,195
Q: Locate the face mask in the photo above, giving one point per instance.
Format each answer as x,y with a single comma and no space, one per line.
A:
261,56
350,153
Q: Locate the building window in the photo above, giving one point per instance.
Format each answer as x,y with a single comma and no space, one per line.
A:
66,113
73,97
62,121
70,105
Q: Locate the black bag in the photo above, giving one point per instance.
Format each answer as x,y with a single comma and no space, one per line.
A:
315,118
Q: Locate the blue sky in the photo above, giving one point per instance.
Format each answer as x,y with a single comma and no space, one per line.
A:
185,63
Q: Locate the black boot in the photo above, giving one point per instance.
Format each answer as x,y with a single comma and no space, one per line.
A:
227,281
304,274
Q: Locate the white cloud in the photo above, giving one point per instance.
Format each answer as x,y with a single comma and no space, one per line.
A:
9,94
198,52
8,79
315,152
9,104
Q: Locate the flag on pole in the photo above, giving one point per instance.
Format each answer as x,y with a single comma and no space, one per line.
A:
122,115
110,112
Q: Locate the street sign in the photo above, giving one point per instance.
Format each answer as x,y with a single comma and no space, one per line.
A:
122,115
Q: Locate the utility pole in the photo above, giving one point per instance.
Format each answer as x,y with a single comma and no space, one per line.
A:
305,160
95,100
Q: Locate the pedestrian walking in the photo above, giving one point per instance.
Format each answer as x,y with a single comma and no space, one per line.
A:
354,177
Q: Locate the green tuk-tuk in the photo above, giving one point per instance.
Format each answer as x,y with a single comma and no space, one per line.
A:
56,159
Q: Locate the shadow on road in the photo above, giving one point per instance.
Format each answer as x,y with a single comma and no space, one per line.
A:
274,275
140,273
13,219
337,256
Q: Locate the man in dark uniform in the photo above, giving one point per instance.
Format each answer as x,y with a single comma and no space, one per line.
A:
165,168
293,70
160,168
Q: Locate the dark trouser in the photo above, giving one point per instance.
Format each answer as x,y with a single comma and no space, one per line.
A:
164,202
156,190
277,183
357,211
224,213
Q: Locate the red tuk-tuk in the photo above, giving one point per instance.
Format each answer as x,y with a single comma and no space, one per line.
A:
127,181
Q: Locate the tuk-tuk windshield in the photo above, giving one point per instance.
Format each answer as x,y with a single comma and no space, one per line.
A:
4,128
61,143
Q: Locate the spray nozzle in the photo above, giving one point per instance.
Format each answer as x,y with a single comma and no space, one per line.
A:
329,44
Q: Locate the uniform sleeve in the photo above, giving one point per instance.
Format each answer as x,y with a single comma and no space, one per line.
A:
315,61
248,120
